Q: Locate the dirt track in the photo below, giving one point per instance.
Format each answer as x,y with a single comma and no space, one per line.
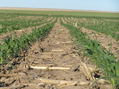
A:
57,50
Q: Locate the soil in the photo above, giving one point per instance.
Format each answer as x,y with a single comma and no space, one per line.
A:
56,50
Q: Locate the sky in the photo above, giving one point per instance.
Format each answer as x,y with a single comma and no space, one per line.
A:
99,5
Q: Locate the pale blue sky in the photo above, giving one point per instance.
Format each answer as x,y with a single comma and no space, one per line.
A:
100,5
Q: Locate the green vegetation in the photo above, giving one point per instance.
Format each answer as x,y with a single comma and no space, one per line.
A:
19,23
108,27
65,13
107,23
13,46
104,59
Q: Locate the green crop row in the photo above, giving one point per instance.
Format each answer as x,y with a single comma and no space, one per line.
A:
13,46
108,26
6,26
8,16
103,59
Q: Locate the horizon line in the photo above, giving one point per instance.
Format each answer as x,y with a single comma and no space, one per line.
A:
54,9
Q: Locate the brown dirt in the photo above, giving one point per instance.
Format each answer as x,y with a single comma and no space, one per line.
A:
117,33
107,42
57,50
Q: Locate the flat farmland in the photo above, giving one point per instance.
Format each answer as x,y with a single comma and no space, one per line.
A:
58,49
59,12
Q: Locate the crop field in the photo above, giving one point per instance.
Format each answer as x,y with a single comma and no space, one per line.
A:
59,50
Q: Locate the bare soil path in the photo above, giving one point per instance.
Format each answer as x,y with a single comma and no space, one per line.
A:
58,54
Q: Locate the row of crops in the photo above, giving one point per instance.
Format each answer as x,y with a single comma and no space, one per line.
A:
18,23
107,26
12,45
92,48
21,25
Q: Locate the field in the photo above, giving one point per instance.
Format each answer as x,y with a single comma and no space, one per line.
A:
58,12
59,49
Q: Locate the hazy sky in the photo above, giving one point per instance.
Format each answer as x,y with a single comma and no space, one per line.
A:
101,5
